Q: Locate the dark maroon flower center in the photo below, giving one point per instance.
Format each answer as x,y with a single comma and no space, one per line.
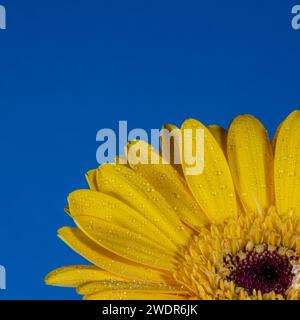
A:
265,272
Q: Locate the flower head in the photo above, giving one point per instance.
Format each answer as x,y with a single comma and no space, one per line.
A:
232,232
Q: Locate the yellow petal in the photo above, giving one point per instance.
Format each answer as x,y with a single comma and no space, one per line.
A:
220,135
111,285
106,260
133,295
171,185
73,276
213,188
91,177
134,190
250,158
125,243
110,209
274,140
171,141
287,166
120,159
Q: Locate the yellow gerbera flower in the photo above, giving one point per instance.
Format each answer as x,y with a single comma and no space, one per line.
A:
232,232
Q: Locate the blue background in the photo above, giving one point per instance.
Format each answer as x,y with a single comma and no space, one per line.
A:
69,68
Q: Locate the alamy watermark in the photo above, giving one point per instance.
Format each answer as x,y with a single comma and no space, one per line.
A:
2,278
2,18
296,17
177,146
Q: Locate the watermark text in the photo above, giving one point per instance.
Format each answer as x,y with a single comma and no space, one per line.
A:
176,146
2,18
2,278
296,17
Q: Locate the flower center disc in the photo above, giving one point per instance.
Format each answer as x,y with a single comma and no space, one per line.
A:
265,272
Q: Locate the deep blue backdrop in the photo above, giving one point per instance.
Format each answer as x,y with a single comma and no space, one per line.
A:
69,68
